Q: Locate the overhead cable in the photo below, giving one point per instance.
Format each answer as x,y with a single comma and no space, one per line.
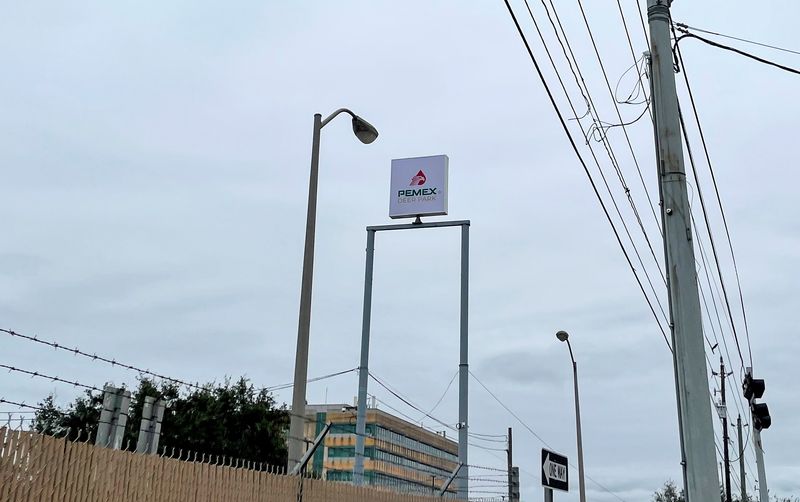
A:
686,34
585,167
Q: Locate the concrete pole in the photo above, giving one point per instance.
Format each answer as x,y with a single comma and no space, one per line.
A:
363,367
106,417
120,419
113,417
297,420
742,479
463,371
696,422
150,426
155,425
144,426
763,492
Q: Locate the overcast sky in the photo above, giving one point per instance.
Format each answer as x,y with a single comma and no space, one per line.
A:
155,169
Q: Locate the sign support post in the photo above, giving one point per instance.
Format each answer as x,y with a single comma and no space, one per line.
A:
462,478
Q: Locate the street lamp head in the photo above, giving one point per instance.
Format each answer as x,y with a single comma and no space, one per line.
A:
364,131
562,335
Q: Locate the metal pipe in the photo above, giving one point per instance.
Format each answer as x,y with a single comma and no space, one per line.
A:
363,368
463,370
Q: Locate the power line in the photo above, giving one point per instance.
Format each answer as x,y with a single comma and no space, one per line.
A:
409,403
439,401
622,122
687,27
633,55
537,436
310,380
686,34
601,126
585,167
719,199
708,224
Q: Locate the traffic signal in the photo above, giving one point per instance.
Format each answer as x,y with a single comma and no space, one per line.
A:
754,389
761,418
514,492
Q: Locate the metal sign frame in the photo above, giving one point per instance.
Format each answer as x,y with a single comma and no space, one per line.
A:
462,478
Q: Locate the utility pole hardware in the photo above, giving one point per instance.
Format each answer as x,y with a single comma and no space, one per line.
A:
742,479
725,437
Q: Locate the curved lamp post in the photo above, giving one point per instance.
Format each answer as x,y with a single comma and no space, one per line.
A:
564,337
366,133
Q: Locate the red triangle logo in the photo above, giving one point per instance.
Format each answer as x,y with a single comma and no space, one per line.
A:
419,179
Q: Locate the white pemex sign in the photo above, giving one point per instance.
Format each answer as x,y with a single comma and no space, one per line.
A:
419,187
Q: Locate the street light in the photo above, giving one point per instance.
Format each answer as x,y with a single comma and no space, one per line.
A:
564,337
366,133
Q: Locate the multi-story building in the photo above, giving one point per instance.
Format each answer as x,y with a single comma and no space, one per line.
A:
399,455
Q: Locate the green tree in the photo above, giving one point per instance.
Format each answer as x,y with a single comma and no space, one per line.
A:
669,493
233,419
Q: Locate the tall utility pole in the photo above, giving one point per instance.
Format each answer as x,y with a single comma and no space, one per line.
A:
742,481
725,438
694,408
510,468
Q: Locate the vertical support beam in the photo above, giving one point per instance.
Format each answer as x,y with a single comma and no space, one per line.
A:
463,371
742,475
548,495
363,367
763,491
696,423
106,416
113,417
150,426
158,418
297,419
144,426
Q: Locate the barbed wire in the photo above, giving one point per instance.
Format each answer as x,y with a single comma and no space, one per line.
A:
34,374
115,363
94,357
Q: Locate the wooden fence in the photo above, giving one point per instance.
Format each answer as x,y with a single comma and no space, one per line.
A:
38,468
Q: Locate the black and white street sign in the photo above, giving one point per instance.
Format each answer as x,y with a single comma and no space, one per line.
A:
555,471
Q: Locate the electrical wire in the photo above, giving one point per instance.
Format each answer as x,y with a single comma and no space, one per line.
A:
719,199
408,402
310,380
585,167
566,46
686,34
687,27
633,52
619,115
537,436
439,401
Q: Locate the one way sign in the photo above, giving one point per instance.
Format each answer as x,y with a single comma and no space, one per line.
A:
555,471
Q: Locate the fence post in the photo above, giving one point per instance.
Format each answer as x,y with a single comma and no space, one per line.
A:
111,429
